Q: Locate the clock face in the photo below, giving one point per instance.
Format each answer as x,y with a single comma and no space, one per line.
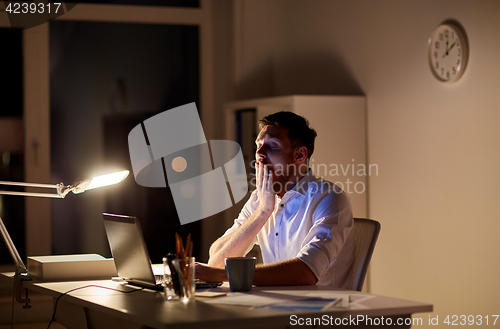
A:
448,52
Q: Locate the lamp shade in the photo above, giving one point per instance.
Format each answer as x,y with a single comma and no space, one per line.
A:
105,180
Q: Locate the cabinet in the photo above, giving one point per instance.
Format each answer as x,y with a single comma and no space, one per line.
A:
340,148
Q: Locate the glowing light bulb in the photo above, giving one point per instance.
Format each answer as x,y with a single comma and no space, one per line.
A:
108,179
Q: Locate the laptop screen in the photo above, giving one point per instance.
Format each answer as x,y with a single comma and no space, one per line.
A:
128,248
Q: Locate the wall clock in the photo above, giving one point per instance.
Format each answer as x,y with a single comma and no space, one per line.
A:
448,50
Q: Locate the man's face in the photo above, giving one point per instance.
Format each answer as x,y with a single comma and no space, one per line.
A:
274,150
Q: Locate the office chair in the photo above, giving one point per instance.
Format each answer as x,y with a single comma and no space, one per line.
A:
365,236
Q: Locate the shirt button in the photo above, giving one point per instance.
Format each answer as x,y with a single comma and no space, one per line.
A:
282,205
276,233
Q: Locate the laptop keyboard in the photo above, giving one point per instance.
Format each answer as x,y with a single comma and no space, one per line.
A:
159,280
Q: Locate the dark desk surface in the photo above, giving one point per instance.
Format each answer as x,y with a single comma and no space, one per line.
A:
135,308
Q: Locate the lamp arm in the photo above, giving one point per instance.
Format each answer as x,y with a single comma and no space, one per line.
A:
29,184
20,267
62,190
21,270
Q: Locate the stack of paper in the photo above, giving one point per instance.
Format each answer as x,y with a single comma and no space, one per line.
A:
71,267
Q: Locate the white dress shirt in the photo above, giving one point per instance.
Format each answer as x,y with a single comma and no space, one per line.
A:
312,222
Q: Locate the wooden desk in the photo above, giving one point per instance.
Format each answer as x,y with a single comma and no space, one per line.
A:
98,307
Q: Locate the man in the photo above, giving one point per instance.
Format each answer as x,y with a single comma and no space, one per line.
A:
301,223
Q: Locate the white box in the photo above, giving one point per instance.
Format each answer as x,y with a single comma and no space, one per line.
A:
71,267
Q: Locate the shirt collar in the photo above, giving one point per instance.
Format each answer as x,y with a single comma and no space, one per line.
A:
303,185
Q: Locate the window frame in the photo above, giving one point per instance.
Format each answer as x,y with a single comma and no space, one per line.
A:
36,93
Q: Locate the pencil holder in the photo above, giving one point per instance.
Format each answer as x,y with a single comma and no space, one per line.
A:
185,269
168,280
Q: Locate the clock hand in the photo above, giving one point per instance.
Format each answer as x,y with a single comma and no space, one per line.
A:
446,53
448,49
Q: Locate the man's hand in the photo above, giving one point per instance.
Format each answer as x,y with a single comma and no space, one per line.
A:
209,274
264,184
238,242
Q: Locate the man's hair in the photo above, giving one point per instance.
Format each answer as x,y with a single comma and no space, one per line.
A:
299,132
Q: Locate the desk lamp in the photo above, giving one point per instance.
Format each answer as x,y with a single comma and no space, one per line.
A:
62,190
77,187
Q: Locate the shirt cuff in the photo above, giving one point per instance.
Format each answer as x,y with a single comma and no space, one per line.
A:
315,259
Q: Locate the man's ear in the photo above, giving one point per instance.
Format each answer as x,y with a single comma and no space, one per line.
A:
300,154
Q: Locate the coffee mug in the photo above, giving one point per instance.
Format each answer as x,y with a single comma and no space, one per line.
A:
240,272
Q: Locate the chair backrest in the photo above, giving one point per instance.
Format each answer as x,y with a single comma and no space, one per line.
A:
365,236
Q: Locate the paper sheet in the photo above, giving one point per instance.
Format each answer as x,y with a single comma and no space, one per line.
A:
307,304
283,297
254,298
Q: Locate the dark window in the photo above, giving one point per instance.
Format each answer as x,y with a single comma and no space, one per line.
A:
11,159
11,83
105,78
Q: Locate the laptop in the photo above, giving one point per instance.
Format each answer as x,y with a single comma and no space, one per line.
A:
131,254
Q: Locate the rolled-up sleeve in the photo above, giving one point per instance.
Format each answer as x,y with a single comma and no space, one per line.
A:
333,222
244,214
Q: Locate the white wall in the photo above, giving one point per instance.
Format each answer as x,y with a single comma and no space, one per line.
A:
436,145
